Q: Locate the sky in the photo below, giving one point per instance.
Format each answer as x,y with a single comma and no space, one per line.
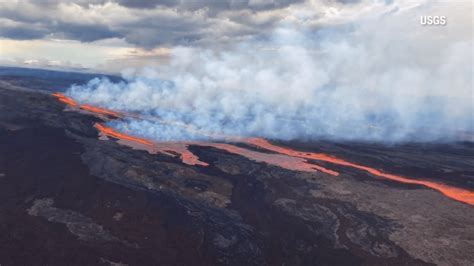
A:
114,35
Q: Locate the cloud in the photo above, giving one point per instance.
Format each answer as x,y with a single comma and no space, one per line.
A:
214,6
135,59
153,23
21,32
84,33
94,55
44,64
28,20
385,78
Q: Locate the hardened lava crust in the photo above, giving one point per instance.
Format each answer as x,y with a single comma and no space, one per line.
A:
68,197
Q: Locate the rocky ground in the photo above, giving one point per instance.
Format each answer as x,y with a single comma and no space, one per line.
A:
69,198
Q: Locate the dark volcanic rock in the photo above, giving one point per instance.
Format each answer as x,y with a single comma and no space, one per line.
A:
114,205
83,227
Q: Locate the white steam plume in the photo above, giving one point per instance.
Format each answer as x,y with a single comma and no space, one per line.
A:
387,78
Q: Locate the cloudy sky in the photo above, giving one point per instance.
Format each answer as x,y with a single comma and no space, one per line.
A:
115,34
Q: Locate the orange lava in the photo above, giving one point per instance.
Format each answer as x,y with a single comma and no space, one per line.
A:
64,99
281,160
180,149
171,149
458,194
112,133
98,110
285,157
168,148
189,158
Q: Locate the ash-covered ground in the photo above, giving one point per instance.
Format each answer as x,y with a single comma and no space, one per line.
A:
70,198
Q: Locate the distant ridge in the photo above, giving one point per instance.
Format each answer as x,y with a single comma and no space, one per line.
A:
50,80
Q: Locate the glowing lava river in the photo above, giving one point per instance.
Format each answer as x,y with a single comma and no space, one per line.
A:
280,156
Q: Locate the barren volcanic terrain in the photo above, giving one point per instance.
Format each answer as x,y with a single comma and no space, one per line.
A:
75,192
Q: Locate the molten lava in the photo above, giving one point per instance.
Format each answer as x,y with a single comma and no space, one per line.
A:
112,133
283,161
180,149
98,110
168,148
189,158
64,99
283,157
458,194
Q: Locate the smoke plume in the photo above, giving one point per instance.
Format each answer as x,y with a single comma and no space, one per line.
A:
385,78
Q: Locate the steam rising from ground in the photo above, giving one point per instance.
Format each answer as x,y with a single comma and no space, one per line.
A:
383,79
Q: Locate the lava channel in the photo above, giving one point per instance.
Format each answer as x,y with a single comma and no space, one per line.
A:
112,133
168,148
281,160
458,194
64,99
98,110
187,157
286,158
92,109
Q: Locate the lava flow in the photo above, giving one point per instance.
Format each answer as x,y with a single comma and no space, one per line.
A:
64,99
112,133
284,157
180,149
187,157
96,110
458,194
281,160
168,148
